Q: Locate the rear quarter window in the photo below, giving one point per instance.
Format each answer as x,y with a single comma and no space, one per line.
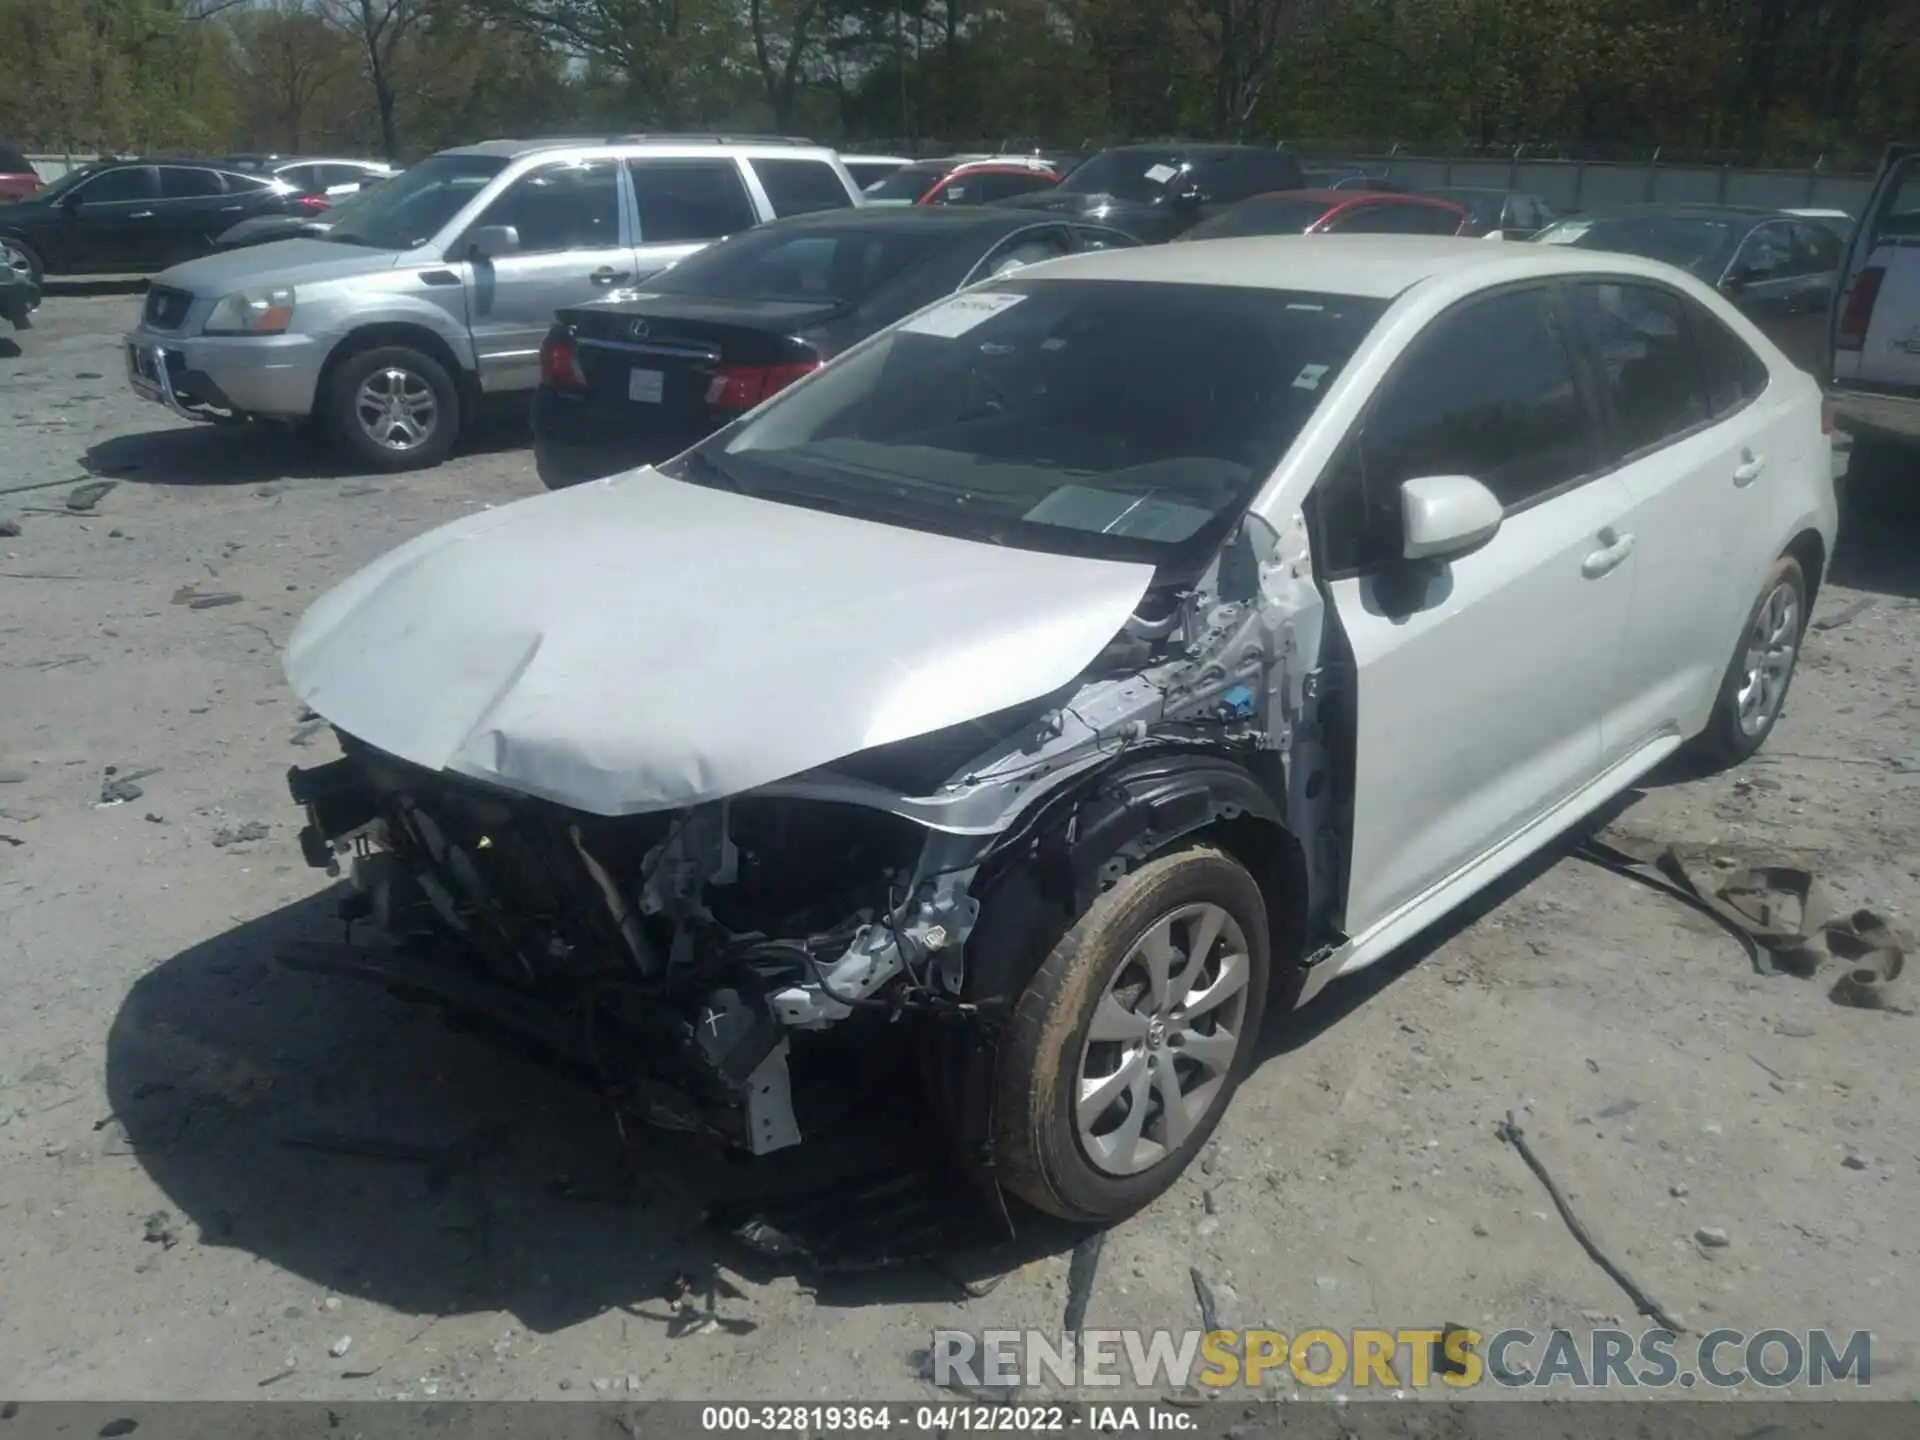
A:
800,187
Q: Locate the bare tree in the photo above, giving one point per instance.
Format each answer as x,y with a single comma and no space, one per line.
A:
783,39
1241,38
379,28
292,60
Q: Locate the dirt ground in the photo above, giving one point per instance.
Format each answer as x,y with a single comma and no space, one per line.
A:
160,1238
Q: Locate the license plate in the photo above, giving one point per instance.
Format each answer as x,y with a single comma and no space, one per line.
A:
646,386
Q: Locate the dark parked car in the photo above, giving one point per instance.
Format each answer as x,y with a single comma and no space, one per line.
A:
1509,214
1780,269
637,377
1355,180
18,178
1155,192
123,217
1332,212
309,217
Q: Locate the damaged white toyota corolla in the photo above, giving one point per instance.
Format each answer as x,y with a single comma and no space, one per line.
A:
1068,673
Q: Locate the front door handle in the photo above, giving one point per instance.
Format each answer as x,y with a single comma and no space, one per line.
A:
141,215
607,275
231,209
1615,549
1749,468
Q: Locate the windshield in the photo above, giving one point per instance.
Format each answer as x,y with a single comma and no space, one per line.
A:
819,263
1700,243
410,209
1131,174
1260,217
1116,419
909,182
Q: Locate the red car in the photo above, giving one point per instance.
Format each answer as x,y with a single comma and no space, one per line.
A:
959,180
1335,212
17,177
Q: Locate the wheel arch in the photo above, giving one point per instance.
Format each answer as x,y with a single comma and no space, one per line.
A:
1086,839
400,332
1810,549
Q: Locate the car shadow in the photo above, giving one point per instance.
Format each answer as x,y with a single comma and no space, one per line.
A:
364,1144
95,285
256,453
1878,548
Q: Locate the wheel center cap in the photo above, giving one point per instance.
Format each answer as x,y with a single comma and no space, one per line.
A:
1156,1034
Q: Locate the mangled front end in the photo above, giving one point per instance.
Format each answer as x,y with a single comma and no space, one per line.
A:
699,944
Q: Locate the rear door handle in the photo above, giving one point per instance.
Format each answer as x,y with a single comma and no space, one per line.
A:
141,215
607,275
231,209
1616,548
1749,468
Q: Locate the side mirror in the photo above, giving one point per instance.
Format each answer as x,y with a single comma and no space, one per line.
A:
70,200
1446,516
1742,276
486,241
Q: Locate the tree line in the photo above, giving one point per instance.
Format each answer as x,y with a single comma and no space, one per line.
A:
1752,81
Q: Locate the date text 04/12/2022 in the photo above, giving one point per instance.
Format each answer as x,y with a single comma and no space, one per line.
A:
941,1418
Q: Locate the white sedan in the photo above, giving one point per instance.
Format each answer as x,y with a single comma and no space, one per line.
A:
1067,672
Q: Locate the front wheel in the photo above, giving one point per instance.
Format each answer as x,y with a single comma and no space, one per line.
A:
1132,1037
393,408
1754,689
20,258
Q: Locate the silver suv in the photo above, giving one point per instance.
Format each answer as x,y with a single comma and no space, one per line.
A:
431,293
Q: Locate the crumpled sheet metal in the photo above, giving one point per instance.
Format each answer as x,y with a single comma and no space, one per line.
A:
643,644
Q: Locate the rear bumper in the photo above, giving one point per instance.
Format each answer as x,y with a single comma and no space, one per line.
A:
572,445
1887,413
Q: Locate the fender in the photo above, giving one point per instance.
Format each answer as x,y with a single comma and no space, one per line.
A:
1088,836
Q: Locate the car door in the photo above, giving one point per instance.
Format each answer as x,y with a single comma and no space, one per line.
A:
1817,253
1017,251
1699,452
110,220
1764,280
572,247
194,207
1477,687
684,203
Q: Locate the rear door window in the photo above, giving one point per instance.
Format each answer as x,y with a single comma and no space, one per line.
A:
800,187
690,199
1653,382
1898,216
1734,374
1817,247
181,182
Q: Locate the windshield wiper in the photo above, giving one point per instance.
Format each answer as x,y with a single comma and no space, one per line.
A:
712,472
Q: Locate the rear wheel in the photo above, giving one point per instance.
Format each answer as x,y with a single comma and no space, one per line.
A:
1132,1037
1754,689
394,408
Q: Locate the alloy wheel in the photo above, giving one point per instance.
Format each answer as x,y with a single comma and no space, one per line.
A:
1163,1039
396,408
1772,644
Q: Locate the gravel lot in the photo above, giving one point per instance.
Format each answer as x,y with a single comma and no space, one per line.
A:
159,1237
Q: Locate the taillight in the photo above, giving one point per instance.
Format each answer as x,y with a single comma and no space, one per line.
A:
559,366
738,388
1858,313
314,202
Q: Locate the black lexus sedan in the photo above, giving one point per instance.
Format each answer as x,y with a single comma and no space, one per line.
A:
638,377
125,217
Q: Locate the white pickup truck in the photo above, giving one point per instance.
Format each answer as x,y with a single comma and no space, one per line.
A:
1876,318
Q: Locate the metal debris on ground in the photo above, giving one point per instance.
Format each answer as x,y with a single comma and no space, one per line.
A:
1780,914
304,735
1509,1130
85,497
1081,1269
870,1223
1844,616
1209,1307
213,601
159,1230
9,528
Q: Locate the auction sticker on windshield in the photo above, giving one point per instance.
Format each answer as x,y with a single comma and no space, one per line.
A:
1160,174
960,314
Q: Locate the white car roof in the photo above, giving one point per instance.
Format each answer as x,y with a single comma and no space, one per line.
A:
1380,266
874,159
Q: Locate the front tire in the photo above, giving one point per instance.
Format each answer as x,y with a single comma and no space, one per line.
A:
22,260
1754,690
393,408
1132,1037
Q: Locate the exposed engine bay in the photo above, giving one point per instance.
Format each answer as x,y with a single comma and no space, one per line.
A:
696,961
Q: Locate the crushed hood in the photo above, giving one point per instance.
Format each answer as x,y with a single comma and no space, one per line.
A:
640,643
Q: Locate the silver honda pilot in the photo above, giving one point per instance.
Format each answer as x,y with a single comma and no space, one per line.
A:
431,293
